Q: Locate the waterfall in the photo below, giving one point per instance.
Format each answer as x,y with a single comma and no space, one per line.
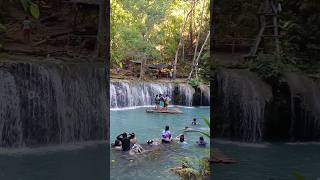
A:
125,93
51,103
205,94
186,93
305,107
240,105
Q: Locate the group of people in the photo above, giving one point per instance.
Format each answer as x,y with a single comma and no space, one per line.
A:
162,102
167,138
128,141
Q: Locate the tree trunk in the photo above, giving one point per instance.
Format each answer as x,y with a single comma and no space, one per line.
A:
197,43
197,60
190,27
142,68
179,45
101,45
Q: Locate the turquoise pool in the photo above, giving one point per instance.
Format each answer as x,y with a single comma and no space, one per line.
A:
269,161
147,126
81,161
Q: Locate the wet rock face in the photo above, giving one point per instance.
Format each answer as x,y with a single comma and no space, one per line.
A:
52,103
248,109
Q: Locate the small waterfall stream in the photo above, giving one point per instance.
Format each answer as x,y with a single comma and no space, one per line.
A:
125,93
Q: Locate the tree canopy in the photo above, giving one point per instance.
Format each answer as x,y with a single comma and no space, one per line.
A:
151,29
299,22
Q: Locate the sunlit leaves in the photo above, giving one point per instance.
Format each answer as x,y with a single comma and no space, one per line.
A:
33,8
142,26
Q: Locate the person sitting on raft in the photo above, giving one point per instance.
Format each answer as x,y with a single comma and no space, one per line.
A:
194,122
157,101
125,141
116,145
201,142
166,135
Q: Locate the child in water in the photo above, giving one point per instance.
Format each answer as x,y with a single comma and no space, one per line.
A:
194,122
201,142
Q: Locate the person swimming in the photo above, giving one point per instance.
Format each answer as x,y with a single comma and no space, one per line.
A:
194,122
133,139
166,135
180,138
125,141
201,142
117,145
136,149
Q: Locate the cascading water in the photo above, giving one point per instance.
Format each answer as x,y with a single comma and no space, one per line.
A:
186,93
305,107
132,93
51,103
241,101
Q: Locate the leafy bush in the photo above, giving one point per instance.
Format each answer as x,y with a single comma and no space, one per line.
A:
31,7
194,82
267,66
192,168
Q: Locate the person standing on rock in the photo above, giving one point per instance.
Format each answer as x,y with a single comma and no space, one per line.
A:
26,27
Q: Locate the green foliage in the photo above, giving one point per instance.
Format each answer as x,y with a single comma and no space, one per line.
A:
205,66
236,18
297,176
300,21
194,82
299,29
150,29
193,168
34,10
31,7
267,66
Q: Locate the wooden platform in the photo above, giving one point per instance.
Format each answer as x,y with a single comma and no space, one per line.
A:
169,111
220,158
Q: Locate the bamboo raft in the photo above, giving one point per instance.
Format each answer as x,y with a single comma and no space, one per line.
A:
220,158
169,111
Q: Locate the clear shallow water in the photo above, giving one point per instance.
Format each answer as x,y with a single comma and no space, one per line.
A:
67,162
277,161
146,126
